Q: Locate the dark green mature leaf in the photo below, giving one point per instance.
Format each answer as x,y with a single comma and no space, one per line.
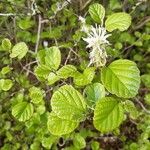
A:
122,78
67,103
22,111
108,114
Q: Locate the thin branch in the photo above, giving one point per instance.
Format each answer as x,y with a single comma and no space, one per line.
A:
7,15
33,62
142,23
68,57
38,34
142,106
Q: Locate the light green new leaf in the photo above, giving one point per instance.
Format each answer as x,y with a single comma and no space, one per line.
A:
47,142
85,78
68,103
41,56
66,71
19,50
5,84
6,44
6,70
120,21
95,92
108,114
36,94
122,78
52,78
79,141
131,109
52,57
42,72
97,12
23,111
58,126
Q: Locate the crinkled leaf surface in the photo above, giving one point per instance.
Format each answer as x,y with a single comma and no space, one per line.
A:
36,94
122,78
5,84
68,103
52,78
22,111
52,57
85,78
120,21
97,12
108,114
59,126
19,50
66,71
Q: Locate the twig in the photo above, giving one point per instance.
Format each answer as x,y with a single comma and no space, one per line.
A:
38,34
67,57
33,62
7,15
142,23
84,6
74,52
142,106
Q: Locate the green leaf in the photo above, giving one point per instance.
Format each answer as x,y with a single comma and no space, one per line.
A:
42,72
95,145
97,12
52,57
108,114
59,126
23,111
95,92
68,103
41,56
85,78
6,44
131,109
147,98
19,50
5,84
120,21
122,78
26,23
146,80
47,142
66,71
36,94
52,78
5,70
79,141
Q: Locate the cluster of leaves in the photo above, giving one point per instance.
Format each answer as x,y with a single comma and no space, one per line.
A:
52,99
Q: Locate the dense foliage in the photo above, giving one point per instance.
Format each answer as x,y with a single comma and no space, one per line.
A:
74,74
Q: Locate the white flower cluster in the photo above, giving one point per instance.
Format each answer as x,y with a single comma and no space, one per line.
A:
97,41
